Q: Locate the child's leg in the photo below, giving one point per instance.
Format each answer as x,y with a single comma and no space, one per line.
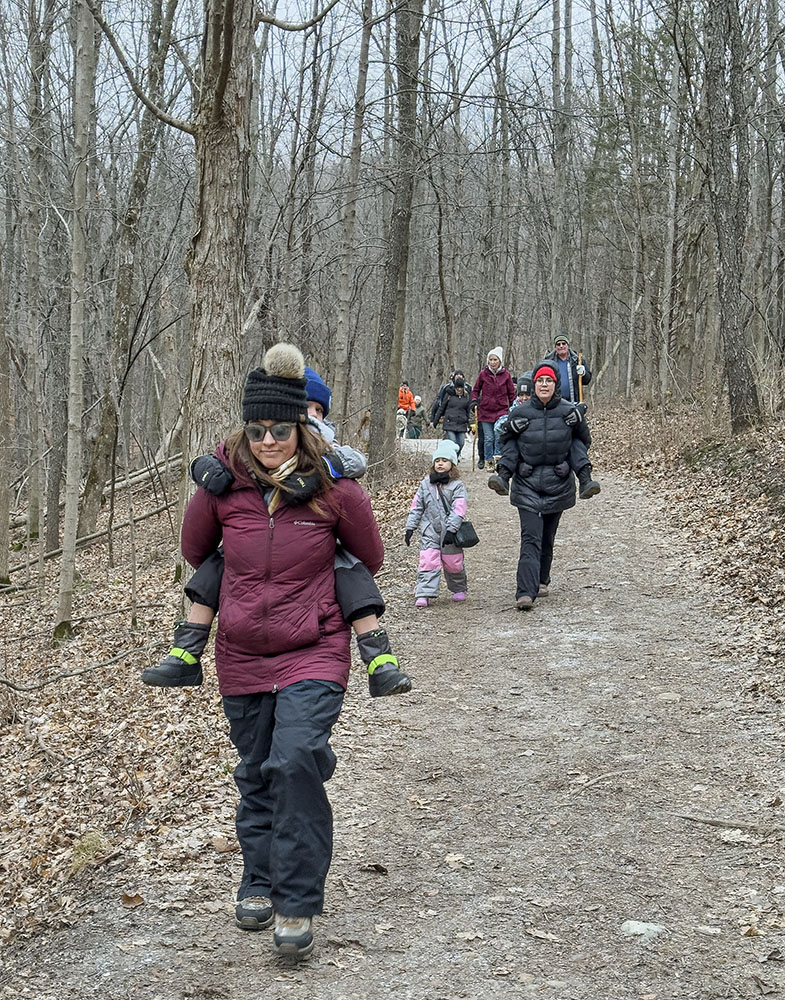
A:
581,466
361,605
429,571
454,571
181,666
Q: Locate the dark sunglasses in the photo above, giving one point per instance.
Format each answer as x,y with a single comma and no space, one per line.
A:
257,432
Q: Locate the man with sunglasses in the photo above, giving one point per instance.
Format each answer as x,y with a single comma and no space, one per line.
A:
570,369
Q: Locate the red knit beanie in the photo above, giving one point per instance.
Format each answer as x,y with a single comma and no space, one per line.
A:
545,369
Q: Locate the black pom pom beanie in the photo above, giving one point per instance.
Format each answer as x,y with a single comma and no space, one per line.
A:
276,391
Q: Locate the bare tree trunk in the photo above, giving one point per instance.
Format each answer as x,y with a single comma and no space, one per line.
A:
341,346
408,20
123,299
217,258
729,194
85,57
6,436
668,373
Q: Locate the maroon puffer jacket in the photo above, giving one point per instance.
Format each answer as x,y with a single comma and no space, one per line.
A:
278,620
495,392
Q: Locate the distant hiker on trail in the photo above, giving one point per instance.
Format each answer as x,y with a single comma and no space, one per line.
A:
454,412
355,589
523,392
442,389
438,508
282,651
574,373
405,398
535,470
417,418
493,392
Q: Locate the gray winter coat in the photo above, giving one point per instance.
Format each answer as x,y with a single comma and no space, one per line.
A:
429,515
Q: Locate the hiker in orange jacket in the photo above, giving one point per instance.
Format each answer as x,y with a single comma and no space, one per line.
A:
405,398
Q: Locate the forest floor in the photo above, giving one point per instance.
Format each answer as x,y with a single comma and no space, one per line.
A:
581,802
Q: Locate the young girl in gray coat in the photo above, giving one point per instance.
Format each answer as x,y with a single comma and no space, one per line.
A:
438,508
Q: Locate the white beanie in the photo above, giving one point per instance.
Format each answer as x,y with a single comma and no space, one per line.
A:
446,449
498,353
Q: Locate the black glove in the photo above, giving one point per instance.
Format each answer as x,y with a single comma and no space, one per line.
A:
517,424
449,538
562,470
525,470
408,536
298,489
573,418
334,463
211,474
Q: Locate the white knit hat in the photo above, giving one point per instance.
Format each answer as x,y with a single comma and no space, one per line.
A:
497,352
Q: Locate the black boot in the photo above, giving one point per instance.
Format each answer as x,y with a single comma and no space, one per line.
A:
181,667
588,487
384,677
499,484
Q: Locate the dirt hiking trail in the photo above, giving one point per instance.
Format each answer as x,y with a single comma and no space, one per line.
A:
553,776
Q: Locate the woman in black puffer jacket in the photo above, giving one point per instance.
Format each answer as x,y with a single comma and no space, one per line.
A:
535,468
454,412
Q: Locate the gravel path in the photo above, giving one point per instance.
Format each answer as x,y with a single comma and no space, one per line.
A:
554,775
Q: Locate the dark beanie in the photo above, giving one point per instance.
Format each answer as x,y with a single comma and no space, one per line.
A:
317,390
526,384
276,391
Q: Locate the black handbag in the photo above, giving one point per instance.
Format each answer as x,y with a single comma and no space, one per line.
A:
465,536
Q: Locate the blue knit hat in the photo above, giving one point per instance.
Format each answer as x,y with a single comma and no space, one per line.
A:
446,449
317,390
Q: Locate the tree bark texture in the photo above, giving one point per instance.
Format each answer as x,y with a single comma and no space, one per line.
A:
726,115
85,57
408,20
217,258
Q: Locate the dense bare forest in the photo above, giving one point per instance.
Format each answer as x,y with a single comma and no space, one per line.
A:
396,188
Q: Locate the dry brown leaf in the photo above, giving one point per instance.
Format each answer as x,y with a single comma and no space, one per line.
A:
130,902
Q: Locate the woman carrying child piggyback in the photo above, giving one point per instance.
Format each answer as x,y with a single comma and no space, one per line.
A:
282,647
438,508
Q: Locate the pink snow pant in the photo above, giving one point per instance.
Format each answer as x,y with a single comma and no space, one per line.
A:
432,562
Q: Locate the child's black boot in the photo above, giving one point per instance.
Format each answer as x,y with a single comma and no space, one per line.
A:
181,666
587,487
384,677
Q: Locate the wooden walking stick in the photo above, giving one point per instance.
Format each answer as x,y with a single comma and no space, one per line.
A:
580,378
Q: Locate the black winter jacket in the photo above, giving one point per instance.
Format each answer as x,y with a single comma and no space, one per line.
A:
537,458
454,411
